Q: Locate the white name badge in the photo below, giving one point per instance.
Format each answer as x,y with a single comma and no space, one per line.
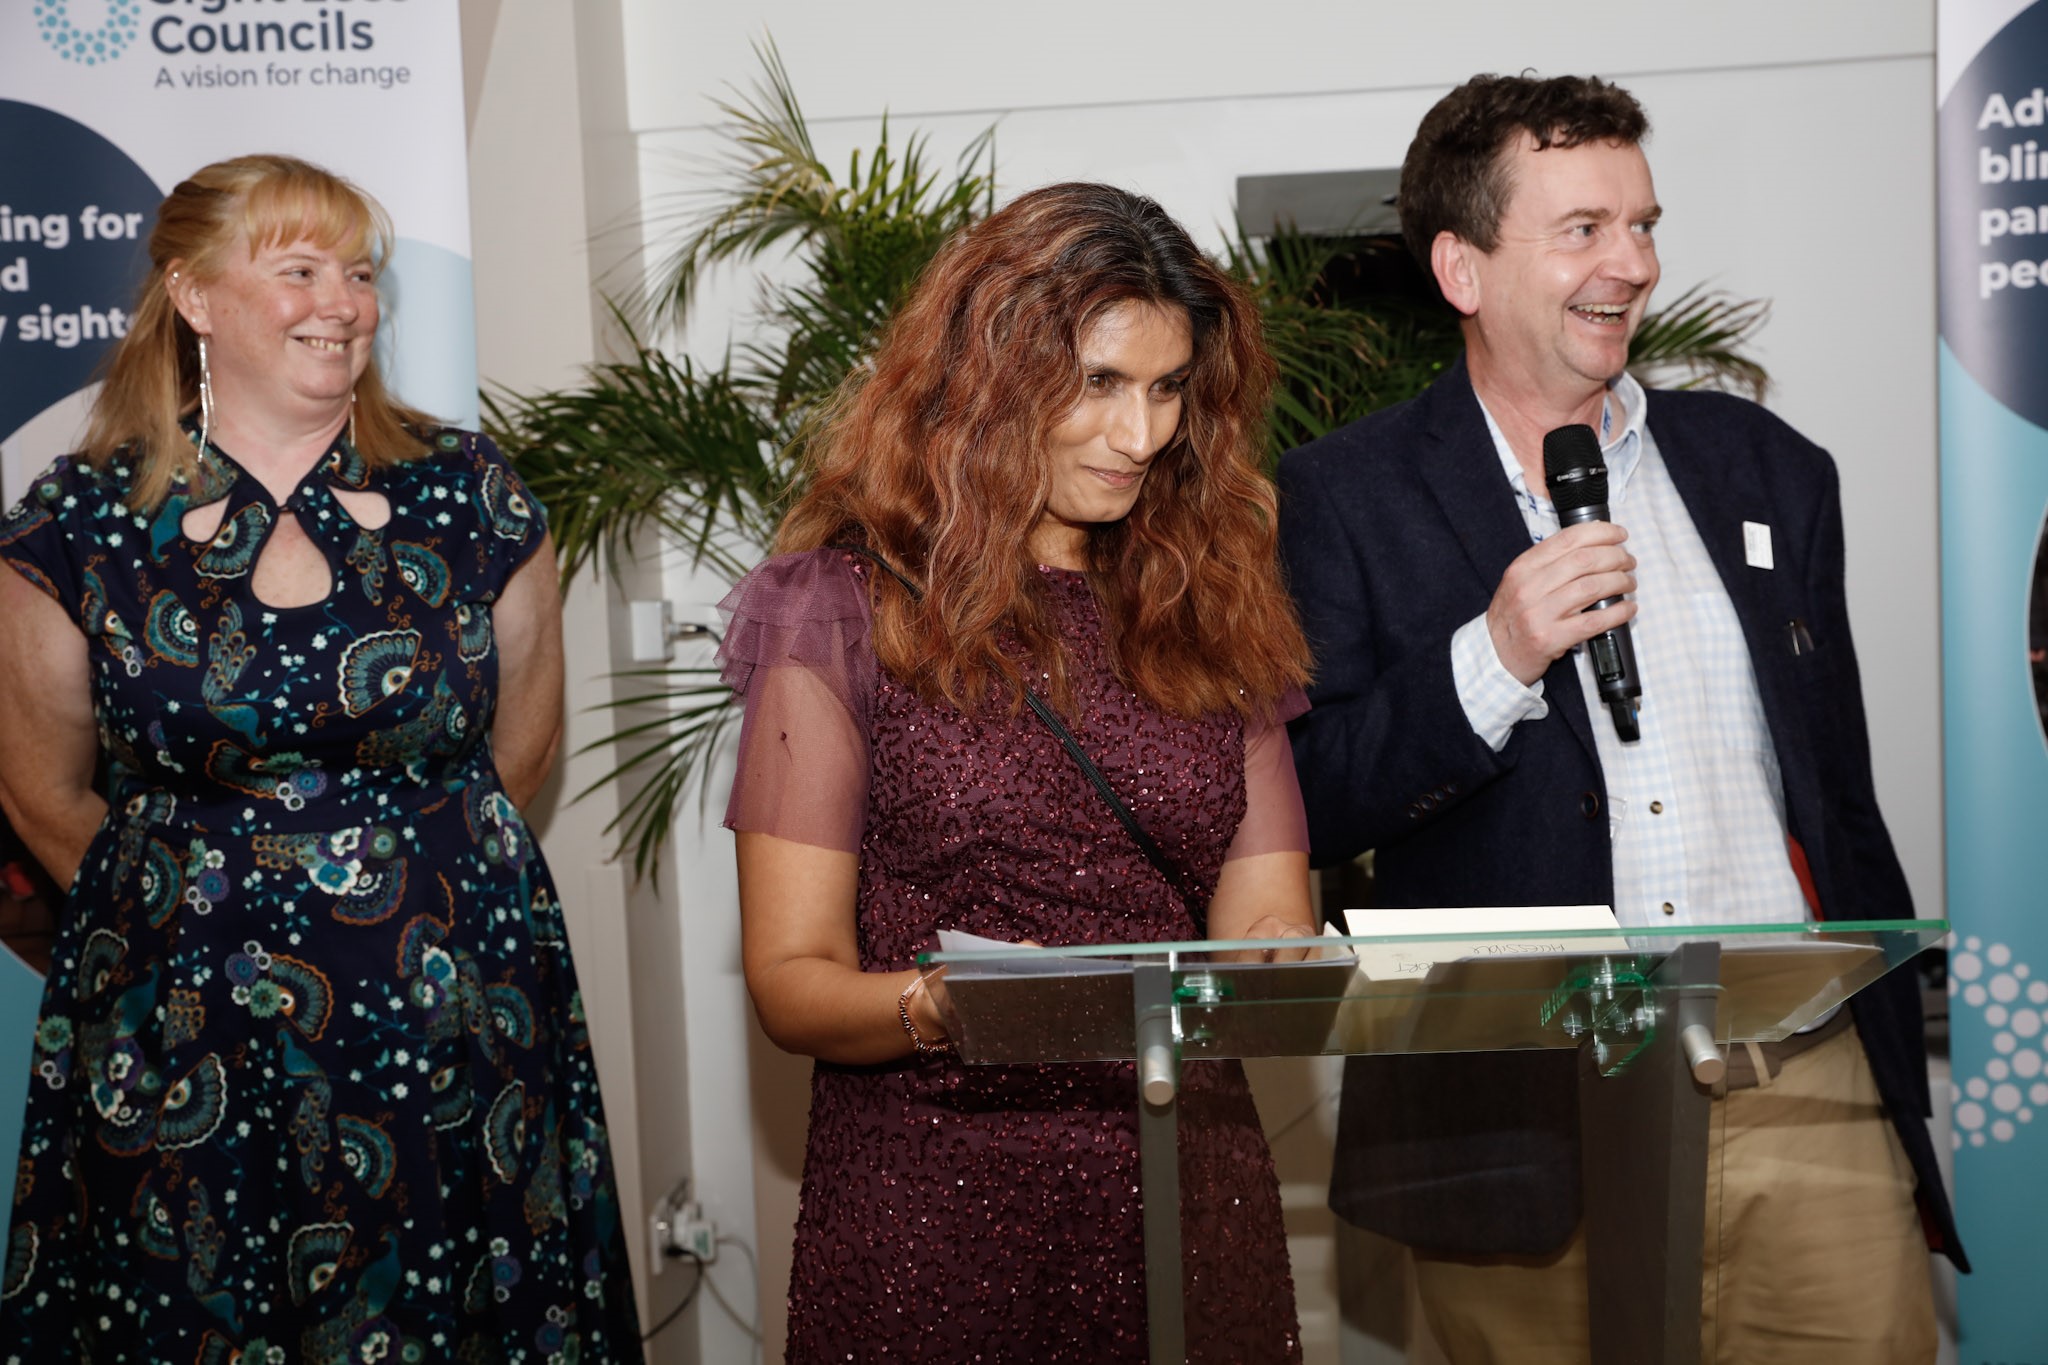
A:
1756,545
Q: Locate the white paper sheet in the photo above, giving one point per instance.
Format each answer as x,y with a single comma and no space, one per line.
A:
1412,961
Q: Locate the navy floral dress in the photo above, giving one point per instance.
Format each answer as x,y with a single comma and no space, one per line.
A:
312,1081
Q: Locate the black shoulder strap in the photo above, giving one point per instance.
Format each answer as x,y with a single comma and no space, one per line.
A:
1197,908
916,593
1177,879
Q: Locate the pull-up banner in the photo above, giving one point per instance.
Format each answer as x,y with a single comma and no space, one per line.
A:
1992,82
104,106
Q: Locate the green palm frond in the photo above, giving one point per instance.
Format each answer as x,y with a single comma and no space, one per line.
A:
887,221
773,186
872,233
1697,341
1331,360
675,728
648,439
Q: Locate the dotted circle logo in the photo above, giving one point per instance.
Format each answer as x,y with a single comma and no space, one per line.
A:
1990,1106
89,45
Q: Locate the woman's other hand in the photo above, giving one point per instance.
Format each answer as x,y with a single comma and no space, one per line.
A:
931,1009
1264,896
1274,926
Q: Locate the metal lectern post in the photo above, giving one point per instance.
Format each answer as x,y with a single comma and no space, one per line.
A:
1643,1177
1159,1158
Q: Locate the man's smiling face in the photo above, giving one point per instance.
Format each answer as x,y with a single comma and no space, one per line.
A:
1567,283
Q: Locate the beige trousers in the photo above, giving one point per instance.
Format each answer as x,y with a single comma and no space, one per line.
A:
1820,1259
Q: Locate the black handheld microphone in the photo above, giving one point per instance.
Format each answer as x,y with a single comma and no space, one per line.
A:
1577,475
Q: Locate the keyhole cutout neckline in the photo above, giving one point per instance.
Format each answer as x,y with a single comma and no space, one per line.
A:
311,569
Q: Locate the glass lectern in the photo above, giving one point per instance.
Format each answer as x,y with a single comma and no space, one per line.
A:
1651,1012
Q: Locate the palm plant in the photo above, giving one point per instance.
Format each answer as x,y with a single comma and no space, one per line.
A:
708,457
1696,341
1336,362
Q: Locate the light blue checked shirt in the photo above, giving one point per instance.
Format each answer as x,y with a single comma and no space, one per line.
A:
1696,808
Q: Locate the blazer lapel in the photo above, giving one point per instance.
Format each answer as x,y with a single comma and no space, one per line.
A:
1463,470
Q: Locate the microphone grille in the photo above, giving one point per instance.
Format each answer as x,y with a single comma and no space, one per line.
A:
1574,468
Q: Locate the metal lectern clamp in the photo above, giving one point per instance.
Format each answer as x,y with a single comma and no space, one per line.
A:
1609,1002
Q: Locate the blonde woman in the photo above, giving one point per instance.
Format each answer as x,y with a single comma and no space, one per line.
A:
312,1081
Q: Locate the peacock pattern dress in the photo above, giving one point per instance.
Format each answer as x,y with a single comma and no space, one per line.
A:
959,1213
312,1081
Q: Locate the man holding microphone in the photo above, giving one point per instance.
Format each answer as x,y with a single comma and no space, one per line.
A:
1461,729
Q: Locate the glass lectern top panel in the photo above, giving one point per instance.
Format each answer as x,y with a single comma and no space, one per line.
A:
1414,993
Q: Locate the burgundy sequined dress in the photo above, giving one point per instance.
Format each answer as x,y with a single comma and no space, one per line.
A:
954,1212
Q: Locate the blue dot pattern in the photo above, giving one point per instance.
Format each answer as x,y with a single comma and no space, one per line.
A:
89,46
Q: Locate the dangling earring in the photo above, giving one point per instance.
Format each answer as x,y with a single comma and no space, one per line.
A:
352,419
205,396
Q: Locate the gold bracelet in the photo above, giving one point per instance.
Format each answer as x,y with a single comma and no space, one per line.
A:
919,1048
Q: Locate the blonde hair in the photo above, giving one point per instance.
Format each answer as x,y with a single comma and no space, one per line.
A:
152,376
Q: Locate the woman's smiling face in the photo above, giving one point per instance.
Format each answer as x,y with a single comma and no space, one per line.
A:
288,327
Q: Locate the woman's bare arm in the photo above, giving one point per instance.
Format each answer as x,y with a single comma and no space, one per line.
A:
527,621
49,741
1263,893
1263,896
803,962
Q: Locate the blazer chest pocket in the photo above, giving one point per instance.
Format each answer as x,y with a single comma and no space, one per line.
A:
1812,662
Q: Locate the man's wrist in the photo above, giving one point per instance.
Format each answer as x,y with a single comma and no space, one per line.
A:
1494,700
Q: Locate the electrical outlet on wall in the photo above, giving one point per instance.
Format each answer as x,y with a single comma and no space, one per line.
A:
656,625
653,630
677,1227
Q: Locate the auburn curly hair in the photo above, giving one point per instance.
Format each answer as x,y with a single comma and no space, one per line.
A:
936,456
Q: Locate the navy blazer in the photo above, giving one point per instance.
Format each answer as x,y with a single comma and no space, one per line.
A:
1395,531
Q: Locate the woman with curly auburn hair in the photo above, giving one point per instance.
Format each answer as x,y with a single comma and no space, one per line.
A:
1047,482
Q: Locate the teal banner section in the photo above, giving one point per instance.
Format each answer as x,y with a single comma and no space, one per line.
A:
1994,496
21,992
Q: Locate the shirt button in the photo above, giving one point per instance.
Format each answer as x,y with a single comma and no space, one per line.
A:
1669,908
1656,808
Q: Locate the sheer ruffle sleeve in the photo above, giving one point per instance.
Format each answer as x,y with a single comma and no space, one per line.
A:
1274,821
797,649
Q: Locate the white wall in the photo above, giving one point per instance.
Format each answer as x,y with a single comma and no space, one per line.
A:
550,168
917,57
1793,151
